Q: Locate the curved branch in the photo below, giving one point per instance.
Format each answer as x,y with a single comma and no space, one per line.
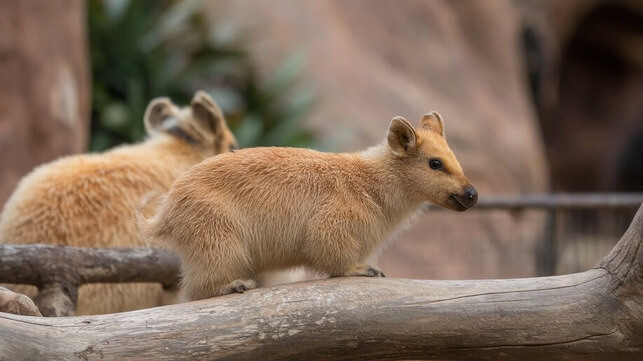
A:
594,315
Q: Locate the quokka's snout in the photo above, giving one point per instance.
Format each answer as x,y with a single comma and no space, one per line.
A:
465,200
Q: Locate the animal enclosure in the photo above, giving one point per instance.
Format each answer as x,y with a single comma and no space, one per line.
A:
577,231
593,315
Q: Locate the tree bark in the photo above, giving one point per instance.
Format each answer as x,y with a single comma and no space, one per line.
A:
44,85
58,271
594,315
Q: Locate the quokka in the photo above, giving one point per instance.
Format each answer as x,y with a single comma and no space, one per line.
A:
89,200
238,214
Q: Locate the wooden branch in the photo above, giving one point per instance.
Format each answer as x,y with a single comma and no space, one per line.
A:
41,264
58,271
594,315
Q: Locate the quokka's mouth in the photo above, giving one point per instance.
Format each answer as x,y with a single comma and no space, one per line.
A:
460,203
455,204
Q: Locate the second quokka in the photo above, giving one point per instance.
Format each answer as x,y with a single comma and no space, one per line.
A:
238,214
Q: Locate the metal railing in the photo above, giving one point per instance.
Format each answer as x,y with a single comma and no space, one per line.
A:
557,201
577,229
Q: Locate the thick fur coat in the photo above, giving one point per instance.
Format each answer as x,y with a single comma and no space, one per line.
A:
89,200
254,210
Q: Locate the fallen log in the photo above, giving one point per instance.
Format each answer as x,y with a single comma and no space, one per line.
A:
594,315
58,271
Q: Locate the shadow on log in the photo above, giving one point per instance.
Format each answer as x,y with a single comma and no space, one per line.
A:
594,315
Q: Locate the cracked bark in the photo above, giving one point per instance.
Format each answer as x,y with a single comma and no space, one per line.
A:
594,315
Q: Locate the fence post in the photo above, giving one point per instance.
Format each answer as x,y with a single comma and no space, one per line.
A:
546,255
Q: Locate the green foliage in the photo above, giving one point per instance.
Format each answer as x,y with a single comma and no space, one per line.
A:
142,49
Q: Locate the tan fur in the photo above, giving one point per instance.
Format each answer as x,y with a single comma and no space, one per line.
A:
239,214
89,200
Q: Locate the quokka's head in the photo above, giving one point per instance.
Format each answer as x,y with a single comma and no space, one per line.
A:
427,165
201,125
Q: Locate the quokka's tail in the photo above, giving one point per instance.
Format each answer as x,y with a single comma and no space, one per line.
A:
145,227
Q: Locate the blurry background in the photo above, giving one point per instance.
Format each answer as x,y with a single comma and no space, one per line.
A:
538,96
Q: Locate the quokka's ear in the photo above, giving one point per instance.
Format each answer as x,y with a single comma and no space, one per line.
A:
401,136
433,122
206,113
156,112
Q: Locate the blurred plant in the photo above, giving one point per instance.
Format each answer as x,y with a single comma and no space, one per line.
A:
142,49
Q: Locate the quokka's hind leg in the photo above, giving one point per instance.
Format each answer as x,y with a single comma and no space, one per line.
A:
220,267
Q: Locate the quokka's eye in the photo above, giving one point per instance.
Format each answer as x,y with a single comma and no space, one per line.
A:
435,164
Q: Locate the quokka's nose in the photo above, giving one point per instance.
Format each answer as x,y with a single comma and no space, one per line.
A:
471,194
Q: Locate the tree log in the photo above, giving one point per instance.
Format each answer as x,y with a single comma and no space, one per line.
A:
594,315
58,271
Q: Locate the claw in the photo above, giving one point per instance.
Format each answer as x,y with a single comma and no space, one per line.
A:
374,272
239,288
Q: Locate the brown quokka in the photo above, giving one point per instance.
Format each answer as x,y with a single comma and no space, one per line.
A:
235,215
89,200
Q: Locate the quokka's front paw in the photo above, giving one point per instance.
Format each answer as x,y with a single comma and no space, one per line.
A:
365,271
239,286
373,272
